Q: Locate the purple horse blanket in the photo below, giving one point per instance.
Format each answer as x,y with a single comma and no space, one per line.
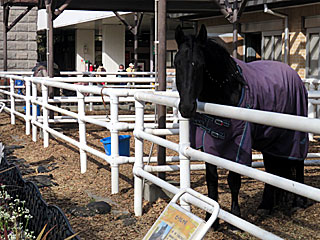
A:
270,86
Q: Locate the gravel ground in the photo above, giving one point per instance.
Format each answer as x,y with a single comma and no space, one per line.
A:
73,190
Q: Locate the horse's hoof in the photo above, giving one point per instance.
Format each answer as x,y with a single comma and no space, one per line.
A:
263,211
301,203
265,206
234,229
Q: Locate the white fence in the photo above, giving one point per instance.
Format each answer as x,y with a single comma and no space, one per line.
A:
148,132
114,124
186,153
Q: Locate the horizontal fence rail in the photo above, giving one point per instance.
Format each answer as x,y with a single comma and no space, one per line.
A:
186,153
114,122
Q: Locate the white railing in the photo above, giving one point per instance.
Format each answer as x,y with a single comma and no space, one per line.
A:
186,153
114,124
312,85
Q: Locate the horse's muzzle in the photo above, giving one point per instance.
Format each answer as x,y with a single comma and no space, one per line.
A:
188,110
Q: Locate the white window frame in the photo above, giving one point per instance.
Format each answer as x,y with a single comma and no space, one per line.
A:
311,31
272,34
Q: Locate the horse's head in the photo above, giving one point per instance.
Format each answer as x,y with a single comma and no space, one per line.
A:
190,64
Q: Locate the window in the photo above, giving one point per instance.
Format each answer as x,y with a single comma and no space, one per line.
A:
170,58
313,52
272,46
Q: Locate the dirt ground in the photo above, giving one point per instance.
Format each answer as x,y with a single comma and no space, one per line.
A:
74,189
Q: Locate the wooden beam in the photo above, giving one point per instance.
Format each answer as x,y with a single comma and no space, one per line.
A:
60,10
130,28
19,18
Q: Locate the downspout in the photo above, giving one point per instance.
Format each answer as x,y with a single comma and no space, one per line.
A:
286,30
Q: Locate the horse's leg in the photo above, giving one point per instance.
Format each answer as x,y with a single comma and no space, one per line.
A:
272,195
234,181
268,192
212,185
299,201
57,93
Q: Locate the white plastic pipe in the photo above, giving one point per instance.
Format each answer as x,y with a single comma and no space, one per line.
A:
45,116
286,30
27,105
34,112
82,132
184,160
138,181
114,144
173,168
230,218
13,118
291,186
162,132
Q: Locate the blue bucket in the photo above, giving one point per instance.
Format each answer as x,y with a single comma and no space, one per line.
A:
124,145
19,83
38,109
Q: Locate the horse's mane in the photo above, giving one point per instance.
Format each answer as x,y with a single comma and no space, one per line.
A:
220,60
227,76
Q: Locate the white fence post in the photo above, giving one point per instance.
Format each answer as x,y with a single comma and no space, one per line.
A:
138,181
311,114
27,98
34,112
311,110
45,116
12,101
114,101
82,132
91,103
184,141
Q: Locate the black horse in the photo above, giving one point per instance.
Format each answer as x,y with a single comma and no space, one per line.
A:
206,72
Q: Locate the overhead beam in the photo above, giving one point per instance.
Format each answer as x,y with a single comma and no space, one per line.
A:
60,10
124,21
242,7
25,12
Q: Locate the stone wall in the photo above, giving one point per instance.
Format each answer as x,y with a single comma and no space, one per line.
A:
22,41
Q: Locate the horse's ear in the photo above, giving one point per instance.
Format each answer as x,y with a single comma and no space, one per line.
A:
202,36
179,35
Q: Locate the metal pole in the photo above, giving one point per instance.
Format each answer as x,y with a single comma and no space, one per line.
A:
162,22
49,39
151,44
235,29
135,46
50,59
6,10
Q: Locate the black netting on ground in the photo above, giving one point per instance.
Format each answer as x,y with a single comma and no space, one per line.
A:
42,213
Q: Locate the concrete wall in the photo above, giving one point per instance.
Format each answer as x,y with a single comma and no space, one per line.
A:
85,50
113,46
22,41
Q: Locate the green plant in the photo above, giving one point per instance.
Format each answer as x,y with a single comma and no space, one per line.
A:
14,218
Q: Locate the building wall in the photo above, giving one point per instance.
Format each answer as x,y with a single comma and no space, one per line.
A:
298,36
22,41
113,46
85,50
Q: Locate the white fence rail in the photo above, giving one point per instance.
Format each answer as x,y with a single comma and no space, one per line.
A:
114,124
186,153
